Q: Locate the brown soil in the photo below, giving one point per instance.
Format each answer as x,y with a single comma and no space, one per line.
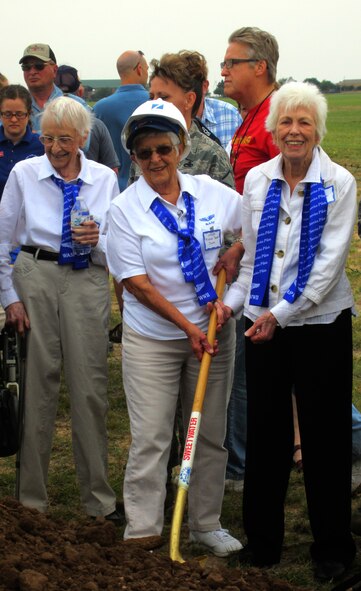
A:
38,553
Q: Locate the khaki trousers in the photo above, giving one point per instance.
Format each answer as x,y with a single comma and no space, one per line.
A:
68,312
154,374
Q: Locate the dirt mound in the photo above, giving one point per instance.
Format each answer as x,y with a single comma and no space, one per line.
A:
42,554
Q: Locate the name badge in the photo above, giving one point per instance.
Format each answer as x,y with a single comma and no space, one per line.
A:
330,194
212,239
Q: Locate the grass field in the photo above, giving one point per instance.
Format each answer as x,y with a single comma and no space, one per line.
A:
343,145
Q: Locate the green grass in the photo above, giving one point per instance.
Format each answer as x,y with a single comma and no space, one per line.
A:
343,144
342,141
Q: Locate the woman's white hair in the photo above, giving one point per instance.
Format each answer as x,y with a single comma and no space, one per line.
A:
67,112
294,95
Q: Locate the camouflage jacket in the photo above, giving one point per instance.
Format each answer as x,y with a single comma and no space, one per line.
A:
207,157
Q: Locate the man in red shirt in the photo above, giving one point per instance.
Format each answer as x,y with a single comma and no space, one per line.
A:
249,71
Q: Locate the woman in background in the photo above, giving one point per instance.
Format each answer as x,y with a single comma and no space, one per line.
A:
17,141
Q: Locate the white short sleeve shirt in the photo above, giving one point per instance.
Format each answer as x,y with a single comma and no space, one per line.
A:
138,244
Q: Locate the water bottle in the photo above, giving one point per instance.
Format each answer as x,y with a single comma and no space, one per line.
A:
80,214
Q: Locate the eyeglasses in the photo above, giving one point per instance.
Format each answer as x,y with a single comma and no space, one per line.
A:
11,114
64,142
146,154
37,66
232,61
137,64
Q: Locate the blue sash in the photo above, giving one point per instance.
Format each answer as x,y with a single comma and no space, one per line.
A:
314,214
189,250
66,256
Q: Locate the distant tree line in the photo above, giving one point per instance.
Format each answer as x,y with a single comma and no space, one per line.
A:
97,94
325,86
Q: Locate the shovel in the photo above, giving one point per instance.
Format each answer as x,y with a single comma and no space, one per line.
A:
193,430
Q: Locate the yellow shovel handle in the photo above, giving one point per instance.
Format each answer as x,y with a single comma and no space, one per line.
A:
198,400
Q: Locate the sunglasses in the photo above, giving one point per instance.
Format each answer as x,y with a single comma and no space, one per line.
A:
146,154
232,61
38,67
137,64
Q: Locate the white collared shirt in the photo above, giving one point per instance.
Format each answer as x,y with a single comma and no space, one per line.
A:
31,211
138,244
327,291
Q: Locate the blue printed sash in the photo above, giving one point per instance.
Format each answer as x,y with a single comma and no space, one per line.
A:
266,240
66,256
314,214
189,250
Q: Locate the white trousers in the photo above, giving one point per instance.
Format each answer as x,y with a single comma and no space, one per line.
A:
154,374
68,312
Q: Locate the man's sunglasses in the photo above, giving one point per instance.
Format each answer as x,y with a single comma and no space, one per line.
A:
38,66
139,53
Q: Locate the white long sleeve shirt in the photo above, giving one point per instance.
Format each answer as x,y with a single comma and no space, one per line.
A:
327,291
31,211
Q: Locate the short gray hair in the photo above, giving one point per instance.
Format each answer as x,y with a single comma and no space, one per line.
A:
294,95
68,112
262,46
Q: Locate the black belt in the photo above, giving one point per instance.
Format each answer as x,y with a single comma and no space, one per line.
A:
41,255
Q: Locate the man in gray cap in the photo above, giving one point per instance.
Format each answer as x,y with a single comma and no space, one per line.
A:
39,66
40,74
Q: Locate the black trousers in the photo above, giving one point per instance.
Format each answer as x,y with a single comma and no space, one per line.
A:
317,361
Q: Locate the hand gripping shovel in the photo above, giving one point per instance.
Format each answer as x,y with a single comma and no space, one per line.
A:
193,430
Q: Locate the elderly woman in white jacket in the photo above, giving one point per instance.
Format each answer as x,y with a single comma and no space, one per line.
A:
298,216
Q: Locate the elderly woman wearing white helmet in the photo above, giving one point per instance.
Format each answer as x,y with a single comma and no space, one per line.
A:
164,238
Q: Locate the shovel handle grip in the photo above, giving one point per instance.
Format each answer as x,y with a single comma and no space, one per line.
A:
207,358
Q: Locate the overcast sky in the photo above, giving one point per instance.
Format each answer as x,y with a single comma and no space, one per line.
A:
317,38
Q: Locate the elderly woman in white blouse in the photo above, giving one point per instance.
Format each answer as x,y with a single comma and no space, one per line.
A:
298,216
62,297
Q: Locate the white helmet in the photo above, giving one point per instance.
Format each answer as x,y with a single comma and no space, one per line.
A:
160,116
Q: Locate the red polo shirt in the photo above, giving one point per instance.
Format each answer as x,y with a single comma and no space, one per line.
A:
252,144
